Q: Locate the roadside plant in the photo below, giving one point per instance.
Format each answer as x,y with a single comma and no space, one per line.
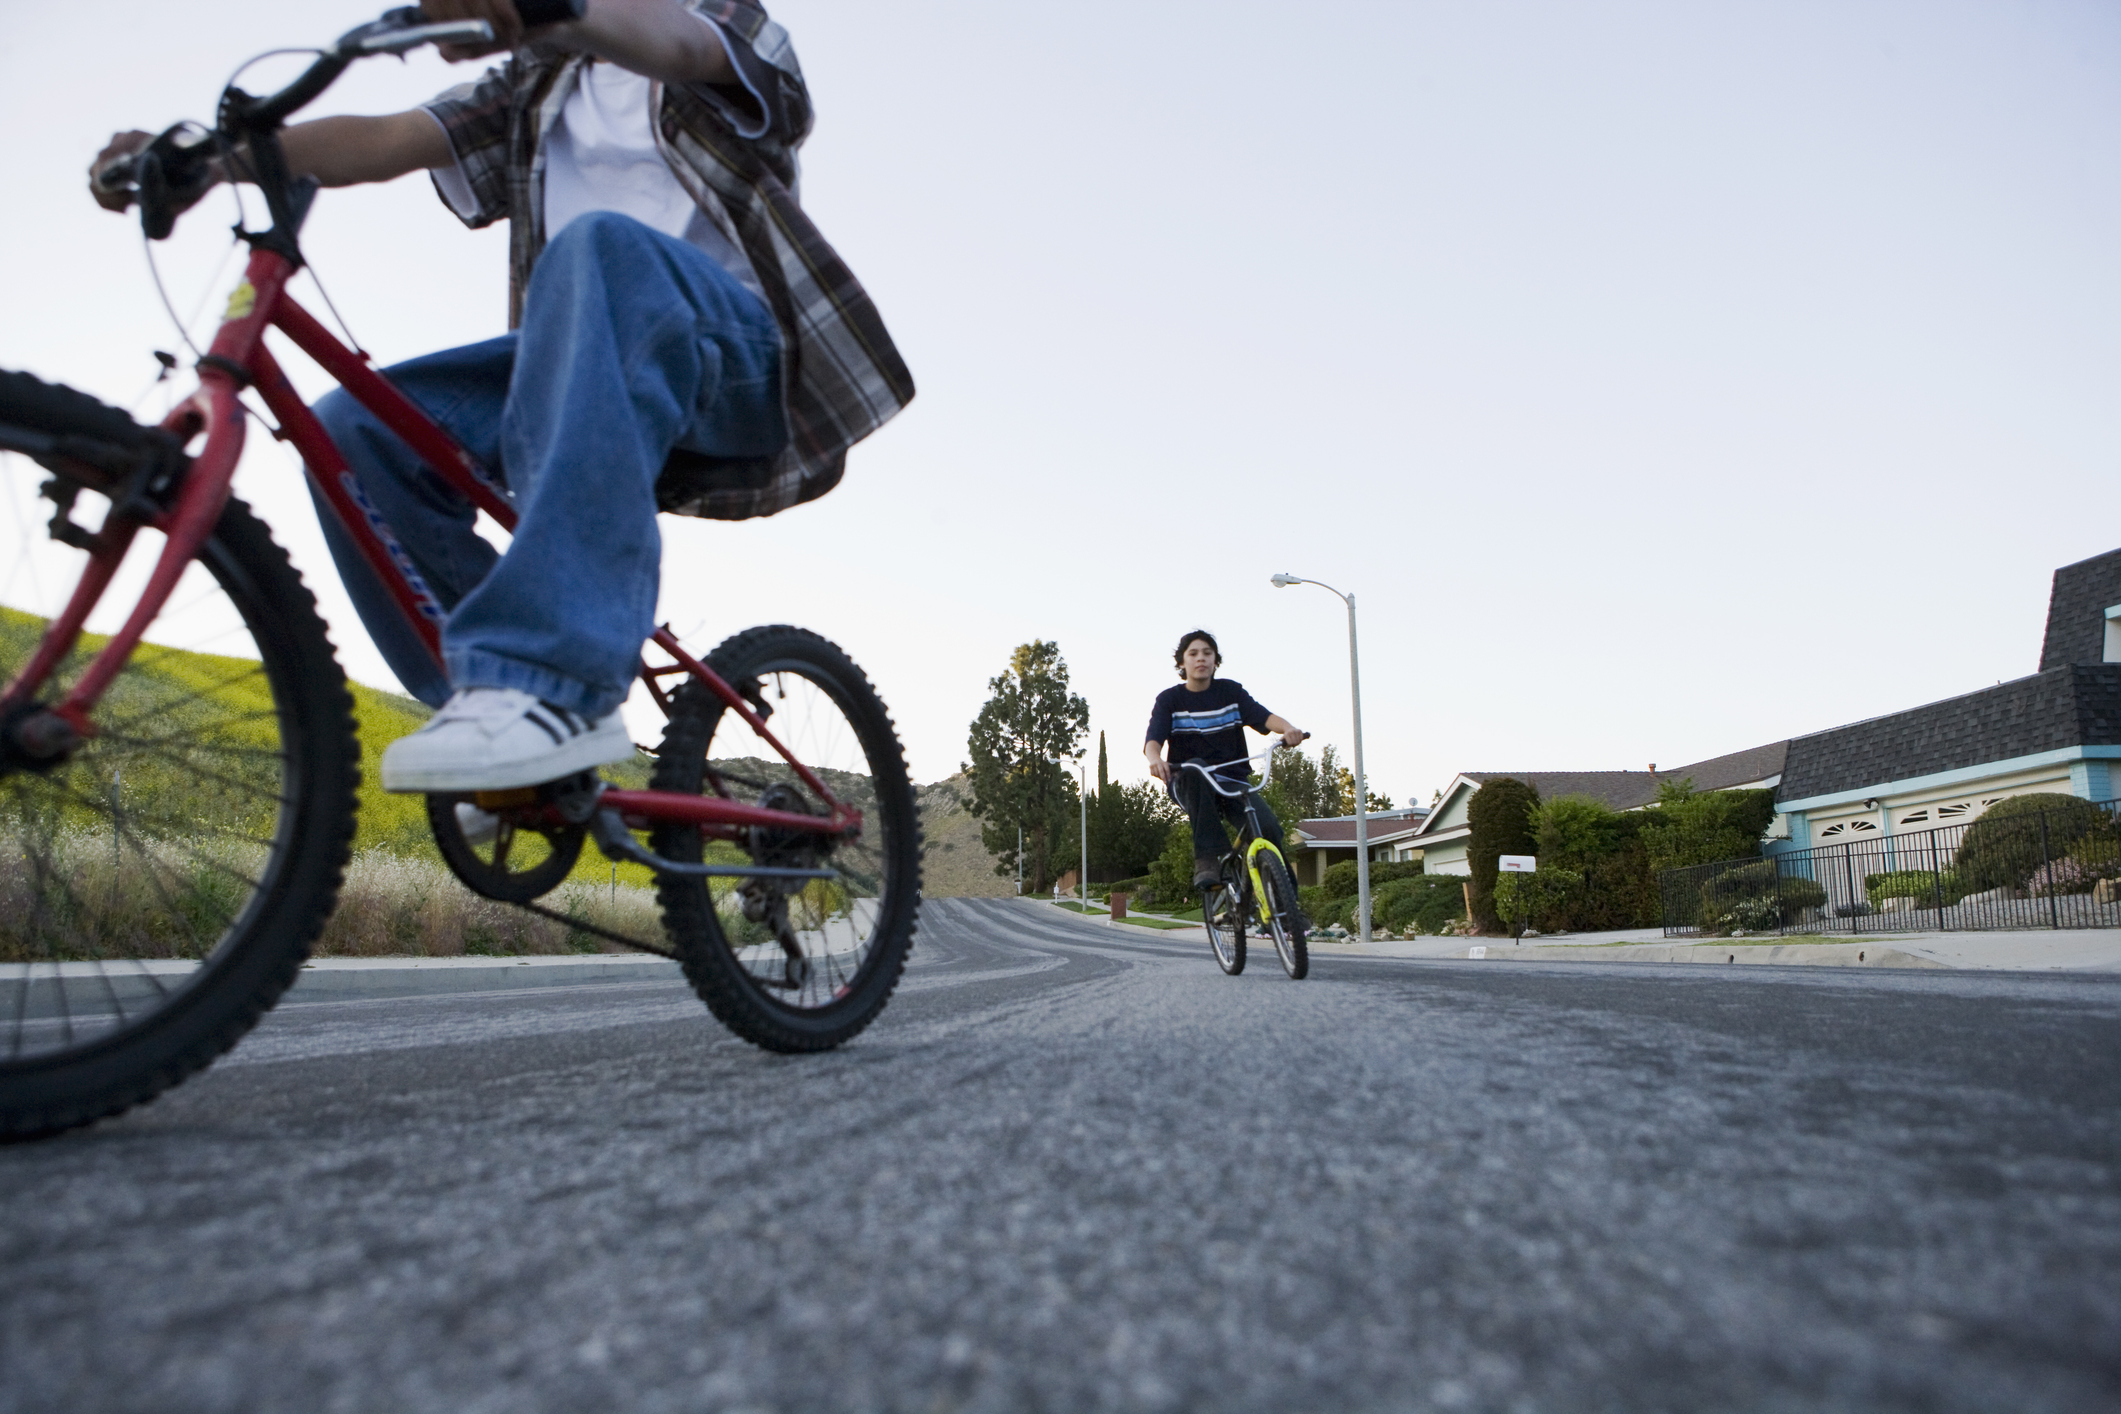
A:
1537,900
1500,815
2005,848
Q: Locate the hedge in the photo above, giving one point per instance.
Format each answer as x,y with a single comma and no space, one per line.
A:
2003,849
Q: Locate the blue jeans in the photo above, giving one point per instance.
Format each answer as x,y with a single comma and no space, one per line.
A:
632,343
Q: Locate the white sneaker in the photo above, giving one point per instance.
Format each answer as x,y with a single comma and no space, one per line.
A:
498,738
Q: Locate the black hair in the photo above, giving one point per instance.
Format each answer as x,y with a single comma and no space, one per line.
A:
1201,635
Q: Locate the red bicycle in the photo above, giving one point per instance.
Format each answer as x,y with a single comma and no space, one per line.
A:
177,793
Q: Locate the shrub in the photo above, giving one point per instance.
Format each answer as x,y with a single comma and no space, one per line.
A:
1537,900
1707,828
1341,881
1422,903
1921,885
2099,849
1501,818
1572,830
1171,875
2003,849
1756,896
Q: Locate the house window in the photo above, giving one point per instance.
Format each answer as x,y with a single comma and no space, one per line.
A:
1915,817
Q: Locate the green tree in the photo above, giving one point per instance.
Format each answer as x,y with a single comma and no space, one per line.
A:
1341,782
1298,790
1306,790
1500,815
1128,825
1029,716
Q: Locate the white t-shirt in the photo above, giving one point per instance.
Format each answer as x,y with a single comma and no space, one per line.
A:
601,155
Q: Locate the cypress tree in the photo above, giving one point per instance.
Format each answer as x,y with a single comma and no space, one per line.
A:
1501,818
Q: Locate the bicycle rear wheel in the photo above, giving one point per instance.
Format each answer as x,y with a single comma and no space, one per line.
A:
1279,907
801,965
1221,913
160,887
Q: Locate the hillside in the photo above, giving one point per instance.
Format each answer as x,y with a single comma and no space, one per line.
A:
954,864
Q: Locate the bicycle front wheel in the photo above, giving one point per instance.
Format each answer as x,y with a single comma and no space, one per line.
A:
1278,905
160,887
1222,915
798,965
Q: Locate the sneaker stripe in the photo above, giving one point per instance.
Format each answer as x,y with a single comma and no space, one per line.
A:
543,724
574,722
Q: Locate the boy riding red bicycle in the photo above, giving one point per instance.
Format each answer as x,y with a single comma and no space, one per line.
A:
685,340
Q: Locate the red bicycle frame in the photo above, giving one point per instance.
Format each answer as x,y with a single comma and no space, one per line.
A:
239,356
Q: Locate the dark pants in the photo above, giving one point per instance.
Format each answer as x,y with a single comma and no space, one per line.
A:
1207,809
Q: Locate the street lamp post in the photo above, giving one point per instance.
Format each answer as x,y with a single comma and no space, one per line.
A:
1362,786
1082,789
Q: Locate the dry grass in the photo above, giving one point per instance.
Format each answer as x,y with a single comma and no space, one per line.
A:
392,906
75,896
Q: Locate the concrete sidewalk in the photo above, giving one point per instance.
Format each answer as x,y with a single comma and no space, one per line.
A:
2043,950
335,979
2029,950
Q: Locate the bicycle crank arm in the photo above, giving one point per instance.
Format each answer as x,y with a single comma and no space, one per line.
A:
618,842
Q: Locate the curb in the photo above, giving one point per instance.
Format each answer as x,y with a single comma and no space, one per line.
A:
1777,954
333,979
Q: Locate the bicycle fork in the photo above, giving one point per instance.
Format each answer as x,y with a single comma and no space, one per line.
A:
158,492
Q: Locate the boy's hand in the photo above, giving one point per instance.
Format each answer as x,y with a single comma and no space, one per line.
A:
121,145
508,31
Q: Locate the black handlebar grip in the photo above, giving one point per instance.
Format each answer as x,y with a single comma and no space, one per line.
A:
549,12
120,174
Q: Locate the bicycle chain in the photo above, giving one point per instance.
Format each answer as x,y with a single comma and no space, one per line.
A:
605,933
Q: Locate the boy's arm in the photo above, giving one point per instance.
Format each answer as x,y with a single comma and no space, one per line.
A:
1154,751
658,38
339,152
1290,736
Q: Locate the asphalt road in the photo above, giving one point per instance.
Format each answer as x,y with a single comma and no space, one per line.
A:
1079,1170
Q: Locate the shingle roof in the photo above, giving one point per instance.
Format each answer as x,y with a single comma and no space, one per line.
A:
1340,829
2070,705
1631,790
1737,769
2076,611
1618,790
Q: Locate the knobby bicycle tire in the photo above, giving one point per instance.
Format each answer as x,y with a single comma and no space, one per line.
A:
854,931
1281,910
1228,942
221,787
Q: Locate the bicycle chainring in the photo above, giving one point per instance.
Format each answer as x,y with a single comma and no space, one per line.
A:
530,855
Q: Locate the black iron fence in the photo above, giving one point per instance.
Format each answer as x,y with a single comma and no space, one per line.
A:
2058,866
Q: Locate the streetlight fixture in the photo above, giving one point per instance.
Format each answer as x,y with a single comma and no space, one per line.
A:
1362,786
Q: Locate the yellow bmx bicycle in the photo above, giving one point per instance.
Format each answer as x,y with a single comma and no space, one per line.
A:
1252,883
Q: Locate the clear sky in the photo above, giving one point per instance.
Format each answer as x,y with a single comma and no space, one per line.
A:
1663,378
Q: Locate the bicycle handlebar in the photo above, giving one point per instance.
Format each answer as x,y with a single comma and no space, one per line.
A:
169,166
1208,772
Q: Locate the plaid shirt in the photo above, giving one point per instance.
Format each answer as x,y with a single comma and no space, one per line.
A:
733,150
